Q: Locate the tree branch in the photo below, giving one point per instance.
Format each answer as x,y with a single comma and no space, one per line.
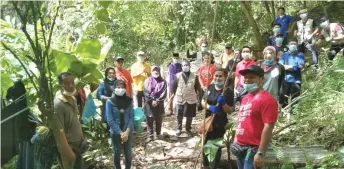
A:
283,128
21,63
23,28
33,11
42,25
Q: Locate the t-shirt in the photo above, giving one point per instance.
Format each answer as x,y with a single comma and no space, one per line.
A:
284,21
173,69
126,77
220,119
203,74
271,81
241,66
287,58
139,80
66,117
255,110
225,58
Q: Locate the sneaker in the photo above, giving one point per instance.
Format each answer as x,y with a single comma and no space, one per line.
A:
178,133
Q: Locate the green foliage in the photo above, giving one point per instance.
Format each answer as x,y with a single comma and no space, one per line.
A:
101,28
105,4
211,147
103,15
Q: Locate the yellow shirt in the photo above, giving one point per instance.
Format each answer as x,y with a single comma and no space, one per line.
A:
225,58
137,68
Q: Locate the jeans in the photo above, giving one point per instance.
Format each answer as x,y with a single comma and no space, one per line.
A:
244,163
138,98
117,148
334,50
216,161
180,122
311,48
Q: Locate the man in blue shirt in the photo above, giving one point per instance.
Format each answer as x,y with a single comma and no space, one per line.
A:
293,62
286,22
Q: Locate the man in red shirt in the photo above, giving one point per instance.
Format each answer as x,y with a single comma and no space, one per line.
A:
245,63
256,119
123,74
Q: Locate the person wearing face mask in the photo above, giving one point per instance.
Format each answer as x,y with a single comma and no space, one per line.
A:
218,105
256,119
333,33
173,69
293,62
276,28
155,92
106,88
185,88
246,62
120,117
273,72
306,28
279,46
286,21
205,75
139,72
203,50
66,125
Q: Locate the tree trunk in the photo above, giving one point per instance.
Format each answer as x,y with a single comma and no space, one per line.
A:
266,5
273,11
258,39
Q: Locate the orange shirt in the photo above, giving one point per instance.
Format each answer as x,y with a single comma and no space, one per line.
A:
126,77
204,74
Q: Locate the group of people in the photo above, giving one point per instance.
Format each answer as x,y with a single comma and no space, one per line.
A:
258,88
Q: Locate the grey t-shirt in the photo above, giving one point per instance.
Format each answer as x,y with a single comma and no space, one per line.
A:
271,81
66,117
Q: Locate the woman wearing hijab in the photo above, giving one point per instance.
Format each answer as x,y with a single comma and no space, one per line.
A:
219,105
273,72
120,118
106,88
155,93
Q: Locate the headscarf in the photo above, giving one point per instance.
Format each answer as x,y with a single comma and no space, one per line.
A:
155,86
122,102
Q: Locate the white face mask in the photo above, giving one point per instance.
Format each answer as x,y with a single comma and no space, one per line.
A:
69,93
203,49
155,75
120,91
186,68
175,60
245,55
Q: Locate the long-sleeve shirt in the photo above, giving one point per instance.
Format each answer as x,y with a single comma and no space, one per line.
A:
114,118
296,60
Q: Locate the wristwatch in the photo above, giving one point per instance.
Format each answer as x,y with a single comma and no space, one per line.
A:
261,153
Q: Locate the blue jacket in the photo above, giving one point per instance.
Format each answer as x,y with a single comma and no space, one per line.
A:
284,21
101,91
113,117
296,60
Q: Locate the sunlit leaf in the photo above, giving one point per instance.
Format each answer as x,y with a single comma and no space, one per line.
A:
100,27
103,15
105,4
63,60
89,49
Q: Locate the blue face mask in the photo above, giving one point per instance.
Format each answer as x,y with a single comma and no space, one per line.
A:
277,30
250,87
268,62
279,40
292,48
216,83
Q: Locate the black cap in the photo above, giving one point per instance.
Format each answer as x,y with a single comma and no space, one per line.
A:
254,69
228,45
119,58
175,55
323,19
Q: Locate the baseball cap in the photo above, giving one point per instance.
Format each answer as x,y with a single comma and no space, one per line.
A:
303,11
119,58
254,69
228,45
323,19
